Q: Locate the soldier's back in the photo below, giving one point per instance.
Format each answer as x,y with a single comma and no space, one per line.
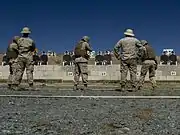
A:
25,45
128,47
81,52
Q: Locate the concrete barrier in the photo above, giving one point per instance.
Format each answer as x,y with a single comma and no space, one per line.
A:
109,73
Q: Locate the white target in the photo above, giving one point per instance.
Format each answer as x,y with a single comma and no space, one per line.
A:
103,73
70,73
173,73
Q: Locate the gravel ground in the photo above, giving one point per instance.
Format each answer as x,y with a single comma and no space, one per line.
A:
92,92
89,116
77,116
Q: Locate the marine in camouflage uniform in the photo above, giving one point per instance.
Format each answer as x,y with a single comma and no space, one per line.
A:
81,62
12,54
25,58
130,47
149,64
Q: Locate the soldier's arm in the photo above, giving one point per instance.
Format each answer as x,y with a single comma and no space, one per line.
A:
116,49
156,65
138,44
13,46
88,47
141,48
33,46
141,53
156,61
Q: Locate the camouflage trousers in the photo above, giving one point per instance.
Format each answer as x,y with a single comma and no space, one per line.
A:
12,68
131,65
144,69
81,70
22,64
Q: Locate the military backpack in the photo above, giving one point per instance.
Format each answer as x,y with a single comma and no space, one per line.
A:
79,51
11,53
149,53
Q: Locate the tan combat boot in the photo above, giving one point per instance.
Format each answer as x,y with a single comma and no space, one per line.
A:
9,86
85,87
123,88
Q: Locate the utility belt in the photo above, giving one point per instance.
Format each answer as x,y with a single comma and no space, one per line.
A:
149,59
78,56
24,52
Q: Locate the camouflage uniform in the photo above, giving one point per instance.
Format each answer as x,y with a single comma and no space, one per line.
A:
25,58
12,53
129,53
81,63
149,64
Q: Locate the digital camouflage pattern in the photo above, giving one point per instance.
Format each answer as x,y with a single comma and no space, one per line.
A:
25,60
81,70
149,64
130,48
12,53
81,64
131,66
12,71
26,46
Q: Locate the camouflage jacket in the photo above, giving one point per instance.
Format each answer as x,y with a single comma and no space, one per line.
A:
130,48
26,46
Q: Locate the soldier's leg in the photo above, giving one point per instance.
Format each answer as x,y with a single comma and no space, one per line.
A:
29,71
144,70
84,73
76,75
10,75
18,70
152,73
133,71
124,71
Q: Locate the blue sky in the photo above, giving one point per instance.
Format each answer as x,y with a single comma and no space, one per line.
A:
58,25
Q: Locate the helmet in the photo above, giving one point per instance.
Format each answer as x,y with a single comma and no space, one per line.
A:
86,38
144,42
26,30
129,32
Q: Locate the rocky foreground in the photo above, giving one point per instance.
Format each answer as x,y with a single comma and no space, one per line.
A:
88,116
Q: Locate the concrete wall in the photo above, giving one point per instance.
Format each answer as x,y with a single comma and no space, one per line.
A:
169,73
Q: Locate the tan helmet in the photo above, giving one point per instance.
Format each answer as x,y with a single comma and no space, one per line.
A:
86,38
129,32
25,30
144,42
